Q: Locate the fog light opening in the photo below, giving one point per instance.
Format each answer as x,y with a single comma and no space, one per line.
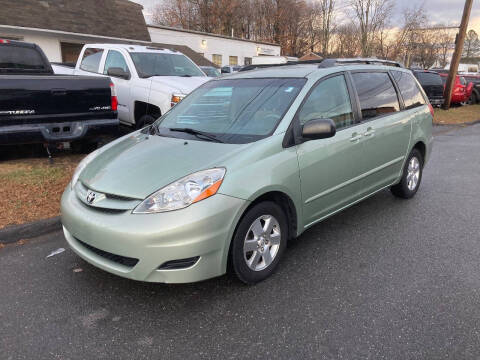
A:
179,264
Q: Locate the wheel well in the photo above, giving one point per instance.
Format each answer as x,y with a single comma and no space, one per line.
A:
287,206
143,108
420,146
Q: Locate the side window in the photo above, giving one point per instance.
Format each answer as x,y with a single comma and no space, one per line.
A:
329,100
115,60
376,94
412,97
91,59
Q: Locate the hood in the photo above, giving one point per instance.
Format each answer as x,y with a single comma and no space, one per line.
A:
184,85
139,165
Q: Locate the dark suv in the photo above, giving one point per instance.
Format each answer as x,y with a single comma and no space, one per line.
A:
432,83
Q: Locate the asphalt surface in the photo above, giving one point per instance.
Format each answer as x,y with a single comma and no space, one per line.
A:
385,279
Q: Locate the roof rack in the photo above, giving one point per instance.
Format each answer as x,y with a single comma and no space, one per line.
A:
326,63
357,61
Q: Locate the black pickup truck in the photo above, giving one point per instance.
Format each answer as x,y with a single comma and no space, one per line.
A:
37,106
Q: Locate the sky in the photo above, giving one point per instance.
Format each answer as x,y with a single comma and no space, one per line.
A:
439,11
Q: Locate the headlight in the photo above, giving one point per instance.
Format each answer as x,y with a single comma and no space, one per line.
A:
81,166
184,192
176,98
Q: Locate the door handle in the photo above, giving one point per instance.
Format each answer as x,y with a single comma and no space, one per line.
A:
369,132
355,137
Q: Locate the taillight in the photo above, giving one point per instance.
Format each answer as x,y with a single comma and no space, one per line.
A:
4,41
431,109
113,95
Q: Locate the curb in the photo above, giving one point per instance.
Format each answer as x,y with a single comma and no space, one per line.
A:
459,124
13,233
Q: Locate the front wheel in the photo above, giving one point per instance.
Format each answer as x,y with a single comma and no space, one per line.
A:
411,176
259,242
145,120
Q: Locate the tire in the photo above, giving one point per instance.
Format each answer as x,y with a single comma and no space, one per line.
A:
254,237
473,99
407,187
145,120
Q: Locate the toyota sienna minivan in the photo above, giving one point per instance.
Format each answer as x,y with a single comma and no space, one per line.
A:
244,164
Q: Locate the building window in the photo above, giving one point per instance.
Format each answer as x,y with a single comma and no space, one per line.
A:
248,61
233,60
217,59
70,52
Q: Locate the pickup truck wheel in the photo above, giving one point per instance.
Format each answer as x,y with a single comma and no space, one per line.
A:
145,120
259,242
411,176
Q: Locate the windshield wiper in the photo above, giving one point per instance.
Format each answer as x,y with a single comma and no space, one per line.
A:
197,133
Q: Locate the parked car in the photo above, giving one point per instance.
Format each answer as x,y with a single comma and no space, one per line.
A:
210,71
461,89
149,80
37,106
432,83
244,164
230,69
475,80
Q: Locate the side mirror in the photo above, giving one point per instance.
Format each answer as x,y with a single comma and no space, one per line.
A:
118,72
318,129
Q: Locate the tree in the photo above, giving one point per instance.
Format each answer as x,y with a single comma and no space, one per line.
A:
472,45
370,17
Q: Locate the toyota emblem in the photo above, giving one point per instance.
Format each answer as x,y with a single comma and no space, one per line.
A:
91,196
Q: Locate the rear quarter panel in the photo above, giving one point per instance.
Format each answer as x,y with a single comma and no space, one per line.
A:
422,125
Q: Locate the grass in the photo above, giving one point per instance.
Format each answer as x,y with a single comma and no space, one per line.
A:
31,188
457,115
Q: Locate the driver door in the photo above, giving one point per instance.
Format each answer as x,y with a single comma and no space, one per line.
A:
330,168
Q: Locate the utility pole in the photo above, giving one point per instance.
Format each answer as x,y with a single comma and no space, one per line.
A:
457,54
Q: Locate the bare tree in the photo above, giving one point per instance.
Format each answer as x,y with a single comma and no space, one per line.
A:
472,44
370,17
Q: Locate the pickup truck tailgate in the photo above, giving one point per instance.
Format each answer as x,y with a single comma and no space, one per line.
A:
40,99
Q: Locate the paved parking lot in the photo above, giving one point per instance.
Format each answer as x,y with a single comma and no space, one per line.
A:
386,279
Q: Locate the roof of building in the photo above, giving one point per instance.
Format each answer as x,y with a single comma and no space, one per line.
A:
112,18
210,34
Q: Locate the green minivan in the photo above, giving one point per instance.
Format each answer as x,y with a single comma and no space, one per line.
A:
244,164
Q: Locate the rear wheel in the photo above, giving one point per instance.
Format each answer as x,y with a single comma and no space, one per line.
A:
473,99
259,242
411,177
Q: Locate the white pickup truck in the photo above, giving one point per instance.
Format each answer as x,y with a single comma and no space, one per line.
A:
148,80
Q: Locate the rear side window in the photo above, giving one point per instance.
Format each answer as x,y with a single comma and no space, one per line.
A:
17,57
91,59
329,100
376,94
463,81
412,97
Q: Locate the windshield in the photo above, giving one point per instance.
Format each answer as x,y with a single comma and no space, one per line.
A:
211,71
158,64
233,110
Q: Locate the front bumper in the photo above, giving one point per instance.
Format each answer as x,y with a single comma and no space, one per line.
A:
201,230
57,132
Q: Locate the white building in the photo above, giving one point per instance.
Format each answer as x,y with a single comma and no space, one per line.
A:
219,49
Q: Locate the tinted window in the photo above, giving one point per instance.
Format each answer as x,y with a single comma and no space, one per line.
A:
235,111
17,57
158,64
376,94
429,79
115,60
91,59
329,100
411,94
